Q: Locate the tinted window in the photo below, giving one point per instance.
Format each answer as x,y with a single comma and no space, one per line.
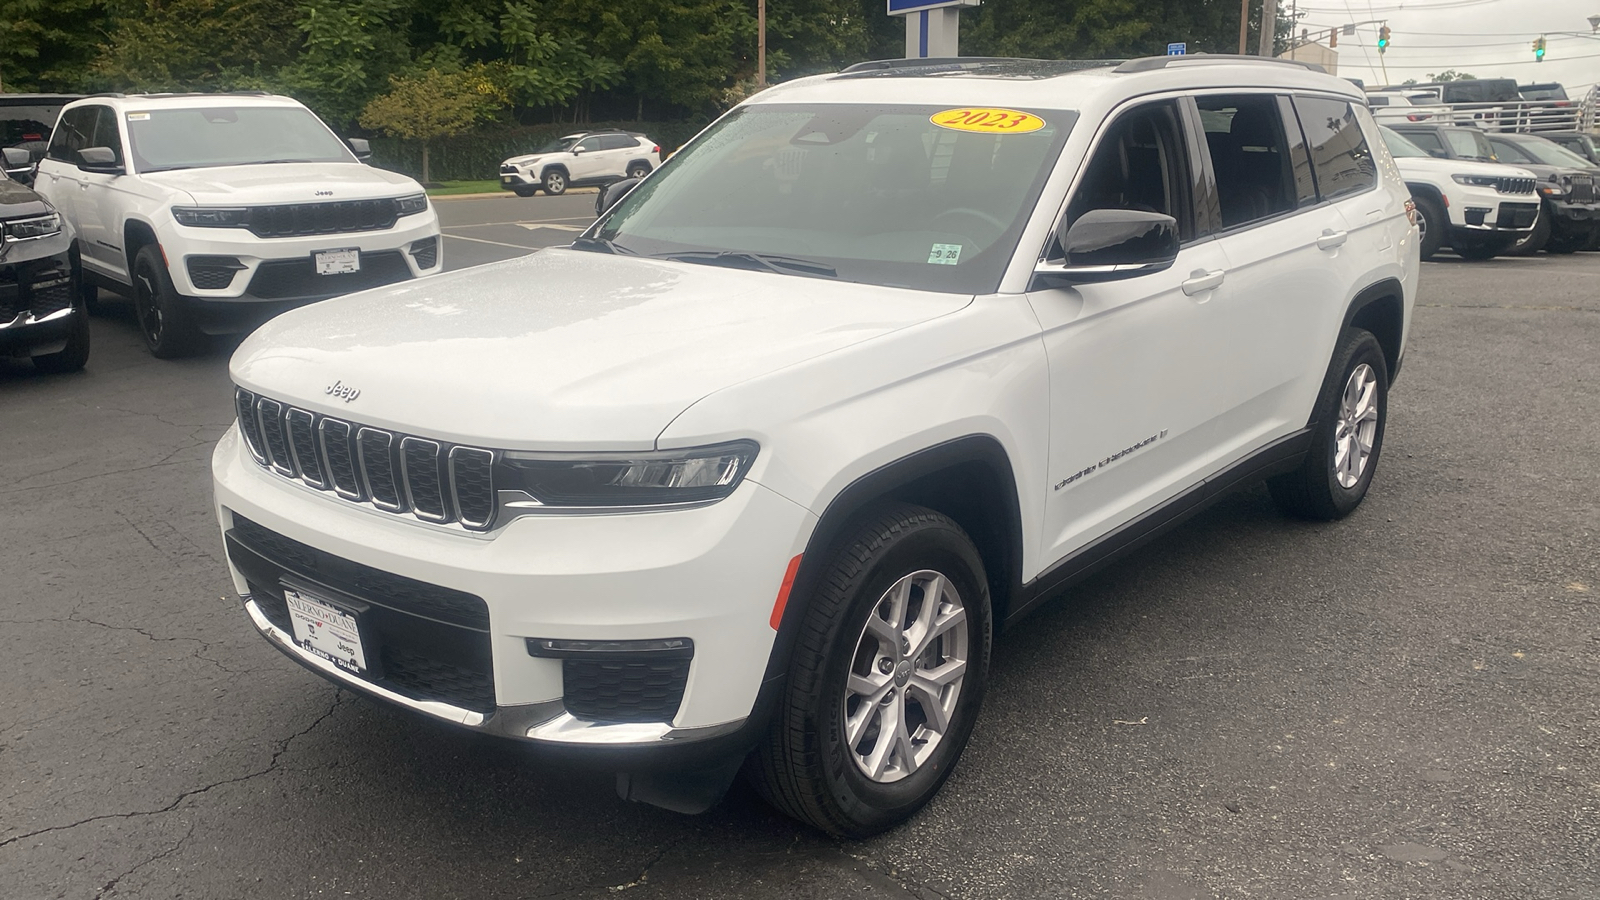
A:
1305,187
72,134
1139,164
1400,147
1429,141
1250,155
615,142
1373,100
588,145
106,133
1339,151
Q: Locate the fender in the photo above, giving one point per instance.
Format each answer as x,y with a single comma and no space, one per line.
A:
1379,308
641,161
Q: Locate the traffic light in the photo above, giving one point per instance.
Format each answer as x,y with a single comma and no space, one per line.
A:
1538,49
1333,37
1383,38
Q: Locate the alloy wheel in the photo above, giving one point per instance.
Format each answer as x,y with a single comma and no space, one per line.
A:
1358,426
148,310
905,677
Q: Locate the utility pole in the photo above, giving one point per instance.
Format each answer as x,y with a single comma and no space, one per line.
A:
761,43
1244,25
1269,26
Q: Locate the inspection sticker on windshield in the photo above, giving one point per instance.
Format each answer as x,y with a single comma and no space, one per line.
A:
945,254
138,117
987,120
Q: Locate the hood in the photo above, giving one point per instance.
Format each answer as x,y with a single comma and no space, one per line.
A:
1429,165
278,183
563,349
17,200
528,160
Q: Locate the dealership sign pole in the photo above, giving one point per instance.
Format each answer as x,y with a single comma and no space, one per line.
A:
931,26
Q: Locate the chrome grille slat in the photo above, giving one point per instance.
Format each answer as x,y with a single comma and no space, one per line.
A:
303,445
432,481
376,447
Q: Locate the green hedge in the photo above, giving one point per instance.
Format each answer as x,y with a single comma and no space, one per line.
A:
478,155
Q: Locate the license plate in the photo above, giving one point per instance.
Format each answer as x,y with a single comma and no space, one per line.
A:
337,262
326,630
507,180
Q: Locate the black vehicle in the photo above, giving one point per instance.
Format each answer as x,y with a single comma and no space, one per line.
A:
1570,213
1582,143
26,121
41,315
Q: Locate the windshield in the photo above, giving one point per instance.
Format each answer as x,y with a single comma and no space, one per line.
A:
1399,145
1551,154
239,136
558,145
878,194
1469,144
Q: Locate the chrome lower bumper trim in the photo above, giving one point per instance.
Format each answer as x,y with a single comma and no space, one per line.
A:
545,722
26,318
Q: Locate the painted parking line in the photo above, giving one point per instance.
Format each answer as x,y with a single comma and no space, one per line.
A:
524,222
462,237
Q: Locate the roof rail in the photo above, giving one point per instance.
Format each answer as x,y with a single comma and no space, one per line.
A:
929,63
1151,63
106,94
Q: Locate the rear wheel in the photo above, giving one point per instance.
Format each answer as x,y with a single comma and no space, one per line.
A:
164,321
886,679
1432,223
1348,435
638,170
555,183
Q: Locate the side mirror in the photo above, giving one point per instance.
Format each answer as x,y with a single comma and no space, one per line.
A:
612,194
361,148
18,164
101,160
576,151
1111,244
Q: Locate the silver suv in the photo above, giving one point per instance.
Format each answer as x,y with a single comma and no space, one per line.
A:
585,158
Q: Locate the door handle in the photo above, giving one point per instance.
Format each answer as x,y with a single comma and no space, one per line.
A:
1201,281
1331,239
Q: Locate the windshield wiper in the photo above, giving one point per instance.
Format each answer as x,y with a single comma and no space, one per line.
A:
601,245
738,259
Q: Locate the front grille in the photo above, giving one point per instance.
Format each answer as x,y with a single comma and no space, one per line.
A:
623,690
336,217
508,170
282,279
423,641
1517,215
1582,189
1513,185
213,273
425,252
53,299
41,287
400,474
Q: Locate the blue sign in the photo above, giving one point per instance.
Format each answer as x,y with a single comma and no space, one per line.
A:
905,7
1177,49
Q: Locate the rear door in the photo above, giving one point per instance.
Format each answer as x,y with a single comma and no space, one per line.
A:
617,150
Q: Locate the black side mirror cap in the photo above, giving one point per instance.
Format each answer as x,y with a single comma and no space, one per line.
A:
18,165
1111,244
612,194
101,160
361,147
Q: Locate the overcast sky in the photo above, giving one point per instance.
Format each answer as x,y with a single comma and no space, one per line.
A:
1484,37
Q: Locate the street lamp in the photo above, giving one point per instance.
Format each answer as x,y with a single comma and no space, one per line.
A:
1594,23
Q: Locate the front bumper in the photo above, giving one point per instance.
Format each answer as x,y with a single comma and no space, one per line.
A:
709,575
1575,211
1486,213
37,310
512,178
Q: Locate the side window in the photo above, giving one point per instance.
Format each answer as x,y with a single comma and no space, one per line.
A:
1469,144
1509,152
106,133
72,134
1140,163
1250,155
615,142
1339,151
588,144
1427,140
1305,187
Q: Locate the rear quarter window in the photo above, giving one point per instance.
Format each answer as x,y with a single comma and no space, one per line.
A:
1340,156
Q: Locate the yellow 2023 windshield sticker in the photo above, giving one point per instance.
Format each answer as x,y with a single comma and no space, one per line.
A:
987,120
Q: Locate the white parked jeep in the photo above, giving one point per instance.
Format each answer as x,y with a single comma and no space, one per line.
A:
215,211
878,363
1477,209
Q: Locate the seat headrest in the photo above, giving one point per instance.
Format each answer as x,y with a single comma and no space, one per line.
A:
1253,126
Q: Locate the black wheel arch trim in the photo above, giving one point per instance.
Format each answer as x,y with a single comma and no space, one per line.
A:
1387,290
639,162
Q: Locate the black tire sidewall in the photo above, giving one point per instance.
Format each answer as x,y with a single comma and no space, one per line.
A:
1358,347
643,170
176,337
872,806
1438,225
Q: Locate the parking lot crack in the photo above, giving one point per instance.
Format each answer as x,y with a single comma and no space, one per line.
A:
111,885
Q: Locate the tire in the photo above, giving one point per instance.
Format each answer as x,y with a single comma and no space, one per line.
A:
805,765
638,170
1570,239
72,357
525,191
1481,252
1535,240
1324,487
164,321
555,182
1433,225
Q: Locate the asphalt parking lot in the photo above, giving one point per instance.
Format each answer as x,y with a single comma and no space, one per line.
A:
1402,704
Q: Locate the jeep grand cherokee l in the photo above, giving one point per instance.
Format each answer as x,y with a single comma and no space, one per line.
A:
878,363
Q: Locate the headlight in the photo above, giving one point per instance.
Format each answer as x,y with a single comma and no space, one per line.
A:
663,478
1553,188
1476,180
210,216
415,203
28,229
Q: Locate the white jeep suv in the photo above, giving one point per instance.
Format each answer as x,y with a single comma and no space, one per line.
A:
579,160
215,211
881,361
1477,209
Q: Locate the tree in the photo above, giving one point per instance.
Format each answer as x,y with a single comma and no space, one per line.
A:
46,45
205,45
1451,75
431,105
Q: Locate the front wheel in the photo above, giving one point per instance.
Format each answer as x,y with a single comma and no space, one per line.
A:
1346,437
887,676
528,191
164,321
555,183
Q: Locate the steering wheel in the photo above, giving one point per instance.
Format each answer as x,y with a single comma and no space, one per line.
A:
967,210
